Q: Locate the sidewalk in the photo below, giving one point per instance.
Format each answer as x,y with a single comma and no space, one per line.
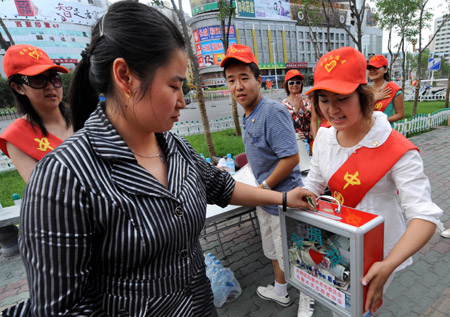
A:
423,289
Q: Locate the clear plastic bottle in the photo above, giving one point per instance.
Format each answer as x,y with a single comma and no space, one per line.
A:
208,160
307,147
230,164
202,156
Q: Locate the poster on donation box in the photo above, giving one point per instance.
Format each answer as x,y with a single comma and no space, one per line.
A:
328,251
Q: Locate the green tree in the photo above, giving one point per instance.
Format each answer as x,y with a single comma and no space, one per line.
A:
227,11
358,15
424,18
6,96
66,82
195,70
397,17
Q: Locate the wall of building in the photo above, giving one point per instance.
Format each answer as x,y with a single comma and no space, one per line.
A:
61,29
280,43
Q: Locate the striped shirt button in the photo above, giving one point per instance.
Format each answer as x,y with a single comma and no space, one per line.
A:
179,211
183,253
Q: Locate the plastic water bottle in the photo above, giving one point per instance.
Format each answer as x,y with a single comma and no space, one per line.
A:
307,146
16,199
230,164
202,156
218,286
208,160
209,259
231,284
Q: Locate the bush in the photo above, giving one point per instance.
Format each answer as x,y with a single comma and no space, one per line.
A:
6,96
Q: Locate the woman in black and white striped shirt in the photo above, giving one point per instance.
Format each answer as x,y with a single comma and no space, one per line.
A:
111,218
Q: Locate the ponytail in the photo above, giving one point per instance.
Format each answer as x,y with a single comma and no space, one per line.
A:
82,96
138,33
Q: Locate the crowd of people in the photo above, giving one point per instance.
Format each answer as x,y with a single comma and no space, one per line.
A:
115,202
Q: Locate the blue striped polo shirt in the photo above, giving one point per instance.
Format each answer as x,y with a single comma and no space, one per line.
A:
269,136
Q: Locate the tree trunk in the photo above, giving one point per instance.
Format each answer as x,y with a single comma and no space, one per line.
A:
417,89
237,125
225,41
198,86
3,43
448,91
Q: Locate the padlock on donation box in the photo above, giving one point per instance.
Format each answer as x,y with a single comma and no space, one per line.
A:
328,251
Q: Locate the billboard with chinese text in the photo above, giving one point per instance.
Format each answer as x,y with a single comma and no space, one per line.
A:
53,11
208,44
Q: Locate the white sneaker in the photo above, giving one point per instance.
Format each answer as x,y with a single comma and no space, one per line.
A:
305,306
268,293
445,233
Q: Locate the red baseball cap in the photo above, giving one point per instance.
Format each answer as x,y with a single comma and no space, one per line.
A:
28,60
293,73
240,52
378,61
340,71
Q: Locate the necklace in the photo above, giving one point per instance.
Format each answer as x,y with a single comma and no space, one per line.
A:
160,155
384,85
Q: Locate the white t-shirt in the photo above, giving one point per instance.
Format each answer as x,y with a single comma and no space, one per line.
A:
406,175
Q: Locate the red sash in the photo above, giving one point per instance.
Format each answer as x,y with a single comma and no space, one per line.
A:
324,123
380,105
34,143
364,168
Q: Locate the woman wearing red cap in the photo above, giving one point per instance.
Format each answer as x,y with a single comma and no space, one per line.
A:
385,169
388,95
46,121
298,107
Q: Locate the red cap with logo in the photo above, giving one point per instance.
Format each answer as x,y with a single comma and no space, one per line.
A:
378,61
28,60
293,73
340,71
240,52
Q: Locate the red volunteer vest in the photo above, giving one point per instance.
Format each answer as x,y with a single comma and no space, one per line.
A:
380,105
364,168
34,143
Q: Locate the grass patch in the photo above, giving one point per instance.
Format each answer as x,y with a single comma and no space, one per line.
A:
224,142
423,107
10,182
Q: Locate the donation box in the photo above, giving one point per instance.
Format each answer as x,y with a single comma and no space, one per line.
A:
328,251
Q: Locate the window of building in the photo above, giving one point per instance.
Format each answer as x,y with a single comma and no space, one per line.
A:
39,37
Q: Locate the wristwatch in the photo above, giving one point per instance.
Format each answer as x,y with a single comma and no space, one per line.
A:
265,185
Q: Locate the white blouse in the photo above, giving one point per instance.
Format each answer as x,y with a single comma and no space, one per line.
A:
406,176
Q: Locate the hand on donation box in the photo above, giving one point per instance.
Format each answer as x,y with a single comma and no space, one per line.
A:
297,197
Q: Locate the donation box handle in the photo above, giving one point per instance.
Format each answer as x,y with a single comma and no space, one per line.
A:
332,200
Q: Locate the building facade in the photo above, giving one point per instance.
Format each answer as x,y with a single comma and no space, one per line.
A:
61,28
278,34
441,43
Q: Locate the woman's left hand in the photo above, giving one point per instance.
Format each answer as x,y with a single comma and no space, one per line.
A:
375,278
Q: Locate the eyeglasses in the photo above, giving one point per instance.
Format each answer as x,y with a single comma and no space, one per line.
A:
40,81
296,82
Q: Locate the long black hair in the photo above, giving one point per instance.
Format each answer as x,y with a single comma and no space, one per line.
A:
138,33
24,107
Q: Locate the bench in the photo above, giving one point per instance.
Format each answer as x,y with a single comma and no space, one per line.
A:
9,217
